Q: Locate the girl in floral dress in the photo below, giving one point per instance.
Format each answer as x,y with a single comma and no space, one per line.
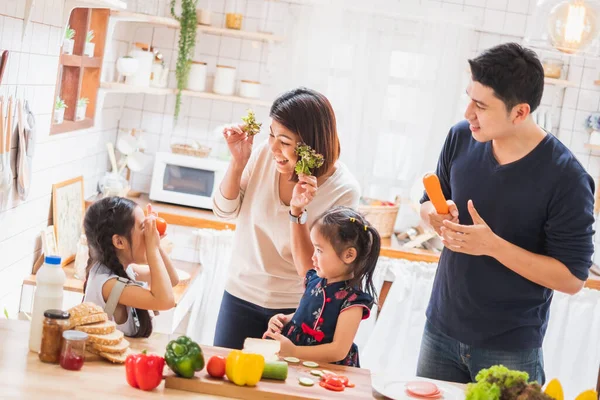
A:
339,291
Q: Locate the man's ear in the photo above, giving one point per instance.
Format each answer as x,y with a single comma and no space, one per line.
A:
349,255
119,242
520,113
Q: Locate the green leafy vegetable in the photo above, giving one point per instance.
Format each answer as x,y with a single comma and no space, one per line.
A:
308,159
501,383
251,127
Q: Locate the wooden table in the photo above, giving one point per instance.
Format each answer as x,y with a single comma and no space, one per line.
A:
25,377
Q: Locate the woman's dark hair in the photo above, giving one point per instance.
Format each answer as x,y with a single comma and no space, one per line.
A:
514,73
309,114
345,228
105,218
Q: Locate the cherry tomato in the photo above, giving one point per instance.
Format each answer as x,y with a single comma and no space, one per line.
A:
331,387
161,226
216,366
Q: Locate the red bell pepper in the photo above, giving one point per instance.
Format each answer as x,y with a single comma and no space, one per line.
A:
144,371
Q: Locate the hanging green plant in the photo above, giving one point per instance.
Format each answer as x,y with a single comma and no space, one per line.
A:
188,22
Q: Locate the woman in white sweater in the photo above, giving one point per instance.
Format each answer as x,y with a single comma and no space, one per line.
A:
273,209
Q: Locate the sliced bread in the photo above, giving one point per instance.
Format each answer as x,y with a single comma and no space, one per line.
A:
86,320
111,339
84,309
118,348
116,358
100,328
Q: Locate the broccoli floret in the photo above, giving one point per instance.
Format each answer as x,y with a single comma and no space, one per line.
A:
308,159
251,127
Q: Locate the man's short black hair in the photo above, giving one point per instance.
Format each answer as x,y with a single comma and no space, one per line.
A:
513,72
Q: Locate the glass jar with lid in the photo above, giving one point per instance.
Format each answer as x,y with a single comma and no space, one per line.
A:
72,354
55,322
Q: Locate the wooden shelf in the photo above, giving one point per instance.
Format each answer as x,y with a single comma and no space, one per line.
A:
112,4
113,87
232,99
592,146
78,61
126,16
68,126
559,82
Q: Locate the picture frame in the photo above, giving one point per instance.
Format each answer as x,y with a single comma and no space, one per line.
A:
68,209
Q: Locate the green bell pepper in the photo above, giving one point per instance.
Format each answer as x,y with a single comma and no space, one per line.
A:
184,357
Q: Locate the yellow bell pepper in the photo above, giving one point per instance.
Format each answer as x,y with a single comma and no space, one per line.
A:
244,369
587,395
555,390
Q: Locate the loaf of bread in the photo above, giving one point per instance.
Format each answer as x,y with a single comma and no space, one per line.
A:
85,309
118,348
112,339
100,328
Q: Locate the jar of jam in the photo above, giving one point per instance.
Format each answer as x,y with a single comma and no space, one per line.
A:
73,350
55,322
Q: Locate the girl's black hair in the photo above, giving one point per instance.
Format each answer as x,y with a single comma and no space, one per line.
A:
344,228
105,218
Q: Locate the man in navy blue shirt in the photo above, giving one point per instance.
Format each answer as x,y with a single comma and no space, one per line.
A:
519,226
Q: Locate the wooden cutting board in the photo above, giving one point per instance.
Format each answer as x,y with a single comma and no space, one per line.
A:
270,389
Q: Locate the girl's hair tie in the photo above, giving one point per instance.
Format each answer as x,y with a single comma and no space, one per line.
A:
352,219
366,228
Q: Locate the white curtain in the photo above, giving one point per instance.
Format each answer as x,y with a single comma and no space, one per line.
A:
214,247
571,345
394,73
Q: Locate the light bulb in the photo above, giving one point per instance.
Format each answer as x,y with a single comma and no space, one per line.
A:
572,26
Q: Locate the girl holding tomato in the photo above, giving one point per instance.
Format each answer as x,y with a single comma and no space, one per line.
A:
120,238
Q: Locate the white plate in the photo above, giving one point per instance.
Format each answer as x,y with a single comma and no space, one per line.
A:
395,388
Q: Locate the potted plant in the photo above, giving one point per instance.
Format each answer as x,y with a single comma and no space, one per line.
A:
592,123
81,108
188,22
68,42
88,50
59,110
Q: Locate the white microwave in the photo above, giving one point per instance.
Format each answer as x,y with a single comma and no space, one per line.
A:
186,180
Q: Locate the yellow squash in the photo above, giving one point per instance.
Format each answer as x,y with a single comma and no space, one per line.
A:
244,369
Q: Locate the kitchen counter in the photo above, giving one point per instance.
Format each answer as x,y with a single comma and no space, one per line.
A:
25,377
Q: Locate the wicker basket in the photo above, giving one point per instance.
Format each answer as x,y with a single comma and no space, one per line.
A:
382,218
188,150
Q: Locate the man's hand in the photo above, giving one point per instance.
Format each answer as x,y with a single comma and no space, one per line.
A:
476,240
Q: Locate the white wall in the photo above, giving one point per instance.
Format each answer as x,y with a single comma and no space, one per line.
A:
31,74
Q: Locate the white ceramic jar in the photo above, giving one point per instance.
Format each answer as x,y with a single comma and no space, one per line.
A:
224,80
197,77
250,89
141,77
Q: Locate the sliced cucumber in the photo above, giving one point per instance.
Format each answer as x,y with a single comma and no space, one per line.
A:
306,381
317,372
310,364
328,372
292,360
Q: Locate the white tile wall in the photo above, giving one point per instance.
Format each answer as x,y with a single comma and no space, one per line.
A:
201,119
31,74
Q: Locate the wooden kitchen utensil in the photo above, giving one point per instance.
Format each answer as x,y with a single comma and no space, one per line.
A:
270,389
9,126
3,62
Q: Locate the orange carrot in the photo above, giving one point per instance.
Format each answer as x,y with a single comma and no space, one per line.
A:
434,191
